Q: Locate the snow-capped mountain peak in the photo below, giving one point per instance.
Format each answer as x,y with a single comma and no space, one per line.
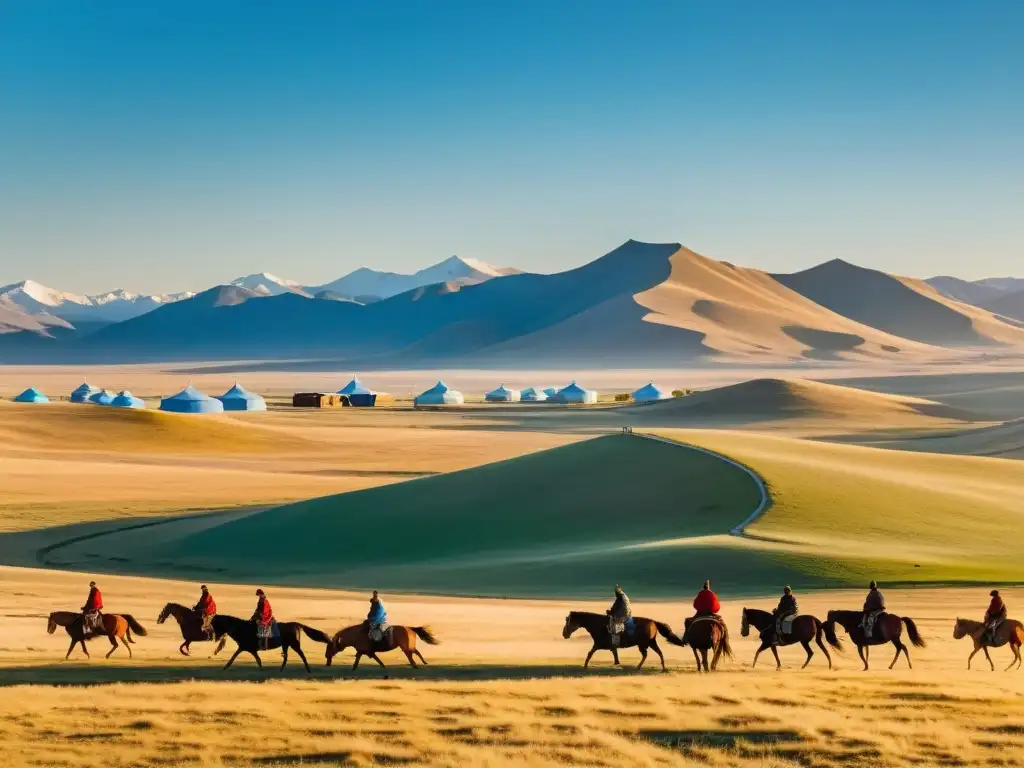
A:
112,306
370,282
268,284
41,294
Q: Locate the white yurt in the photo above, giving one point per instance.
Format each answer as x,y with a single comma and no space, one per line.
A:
502,395
191,400
574,393
533,395
440,394
126,399
103,397
650,394
238,398
83,392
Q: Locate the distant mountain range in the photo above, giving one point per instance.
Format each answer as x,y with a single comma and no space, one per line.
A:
642,304
1002,295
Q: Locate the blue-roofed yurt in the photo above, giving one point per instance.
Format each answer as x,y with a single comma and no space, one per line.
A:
650,394
440,394
31,395
191,400
83,392
238,398
502,395
533,395
126,399
358,395
574,393
103,397
550,391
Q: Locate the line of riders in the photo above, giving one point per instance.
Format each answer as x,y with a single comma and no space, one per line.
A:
782,626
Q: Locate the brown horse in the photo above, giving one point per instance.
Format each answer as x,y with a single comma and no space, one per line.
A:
117,627
190,623
805,629
357,637
644,635
1009,632
888,629
703,634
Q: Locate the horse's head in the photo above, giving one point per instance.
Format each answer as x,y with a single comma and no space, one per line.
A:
164,614
571,625
51,625
959,629
745,627
334,647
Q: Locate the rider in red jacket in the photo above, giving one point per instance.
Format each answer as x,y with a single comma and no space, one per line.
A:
706,603
92,619
207,609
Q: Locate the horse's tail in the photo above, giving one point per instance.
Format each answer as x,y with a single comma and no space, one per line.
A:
315,634
913,634
424,634
829,628
666,631
726,648
133,625
1018,632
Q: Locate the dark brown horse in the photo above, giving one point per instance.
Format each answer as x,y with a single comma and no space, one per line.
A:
190,623
1009,632
888,629
805,628
644,635
703,634
243,632
357,637
116,627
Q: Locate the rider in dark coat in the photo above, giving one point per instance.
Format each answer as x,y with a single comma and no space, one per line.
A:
618,615
874,605
996,612
787,607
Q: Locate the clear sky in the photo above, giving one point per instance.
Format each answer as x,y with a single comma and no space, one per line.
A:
169,146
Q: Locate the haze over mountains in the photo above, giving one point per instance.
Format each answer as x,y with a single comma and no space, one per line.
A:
645,304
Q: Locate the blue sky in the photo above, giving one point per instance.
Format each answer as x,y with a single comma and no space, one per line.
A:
170,146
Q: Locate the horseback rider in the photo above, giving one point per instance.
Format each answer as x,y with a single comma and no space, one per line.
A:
995,615
376,619
618,615
206,609
706,603
787,608
92,618
264,618
874,606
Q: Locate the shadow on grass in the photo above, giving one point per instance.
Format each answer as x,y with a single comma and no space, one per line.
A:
102,673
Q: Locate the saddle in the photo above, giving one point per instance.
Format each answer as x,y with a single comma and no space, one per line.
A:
989,637
871,618
713,617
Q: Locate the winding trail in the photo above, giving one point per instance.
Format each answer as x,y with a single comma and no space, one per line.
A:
739,530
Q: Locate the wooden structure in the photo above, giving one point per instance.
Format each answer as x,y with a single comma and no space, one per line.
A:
319,400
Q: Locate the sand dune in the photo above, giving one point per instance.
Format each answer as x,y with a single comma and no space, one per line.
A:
1000,440
902,306
1009,305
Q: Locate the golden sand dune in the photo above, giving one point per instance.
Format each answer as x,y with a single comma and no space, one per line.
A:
902,306
747,312
1001,440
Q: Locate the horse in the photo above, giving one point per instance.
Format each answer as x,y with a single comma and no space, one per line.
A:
805,628
190,623
358,638
243,632
703,634
644,635
116,627
1009,632
888,629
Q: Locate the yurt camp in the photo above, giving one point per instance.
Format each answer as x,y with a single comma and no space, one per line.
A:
440,394
650,394
126,399
31,395
574,393
533,395
550,391
238,398
190,400
83,392
103,397
358,395
503,395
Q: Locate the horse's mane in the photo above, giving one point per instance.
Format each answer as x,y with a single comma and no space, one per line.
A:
970,622
755,613
57,616
584,615
845,616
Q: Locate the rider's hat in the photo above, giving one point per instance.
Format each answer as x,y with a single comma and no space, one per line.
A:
259,591
787,590
203,587
994,593
92,583
707,584
618,588
873,585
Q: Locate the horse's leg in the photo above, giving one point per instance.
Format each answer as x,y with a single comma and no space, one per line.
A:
376,658
302,656
860,652
976,649
420,656
696,657
408,655
586,661
824,649
757,653
810,653
615,656
704,658
259,661
900,648
70,648
657,650
643,655
778,661
183,648
233,657
284,656
355,664
988,658
125,641
1014,659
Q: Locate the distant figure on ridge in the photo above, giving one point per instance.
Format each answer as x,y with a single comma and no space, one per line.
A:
618,615
995,615
264,618
92,618
706,603
376,619
786,609
874,606
206,609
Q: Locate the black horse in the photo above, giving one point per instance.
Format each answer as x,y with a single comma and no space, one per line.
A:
805,628
644,635
243,632
190,623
